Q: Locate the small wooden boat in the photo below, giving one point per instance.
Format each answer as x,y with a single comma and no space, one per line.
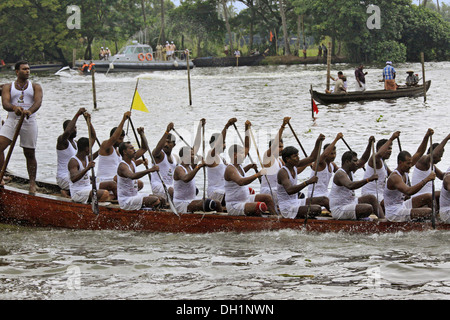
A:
229,61
19,207
402,91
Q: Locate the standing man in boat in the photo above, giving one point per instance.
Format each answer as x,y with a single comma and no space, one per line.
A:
238,200
128,180
397,208
216,164
444,211
287,188
423,168
389,74
325,171
66,148
166,162
344,204
185,189
360,77
22,97
383,153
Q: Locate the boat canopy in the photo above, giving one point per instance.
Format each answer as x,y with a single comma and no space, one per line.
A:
136,49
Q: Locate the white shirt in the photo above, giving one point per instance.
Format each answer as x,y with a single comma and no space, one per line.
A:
235,192
340,195
84,182
63,158
126,187
184,191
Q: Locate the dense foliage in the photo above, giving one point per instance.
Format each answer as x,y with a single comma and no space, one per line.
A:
37,29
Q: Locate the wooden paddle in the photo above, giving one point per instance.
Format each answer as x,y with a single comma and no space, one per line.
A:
93,180
11,147
298,140
399,144
242,141
350,149
375,170
313,187
260,163
131,107
204,167
139,146
433,211
181,138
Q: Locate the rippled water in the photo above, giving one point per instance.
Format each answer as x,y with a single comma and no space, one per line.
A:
67,264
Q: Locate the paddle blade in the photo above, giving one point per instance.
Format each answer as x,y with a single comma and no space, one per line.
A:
94,201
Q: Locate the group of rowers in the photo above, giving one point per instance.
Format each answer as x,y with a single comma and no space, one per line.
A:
390,195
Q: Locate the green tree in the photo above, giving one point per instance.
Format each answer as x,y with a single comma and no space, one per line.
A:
428,32
199,21
31,29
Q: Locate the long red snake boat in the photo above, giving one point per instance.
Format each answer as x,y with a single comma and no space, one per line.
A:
19,207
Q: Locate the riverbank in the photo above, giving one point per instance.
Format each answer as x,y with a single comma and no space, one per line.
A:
292,60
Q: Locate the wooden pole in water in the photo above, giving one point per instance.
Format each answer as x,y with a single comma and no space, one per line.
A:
328,65
189,77
93,88
74,57
422,58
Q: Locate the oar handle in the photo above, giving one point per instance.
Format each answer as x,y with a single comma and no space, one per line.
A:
375,170
11,147
139,145
242,141
350,149
261,164
314,185
433,211
204,167
172,206
298,140
94,183
181,137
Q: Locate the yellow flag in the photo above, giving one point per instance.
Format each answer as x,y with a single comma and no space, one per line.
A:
138,104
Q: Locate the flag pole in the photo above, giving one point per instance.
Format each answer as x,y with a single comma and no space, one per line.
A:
134,95
132,100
